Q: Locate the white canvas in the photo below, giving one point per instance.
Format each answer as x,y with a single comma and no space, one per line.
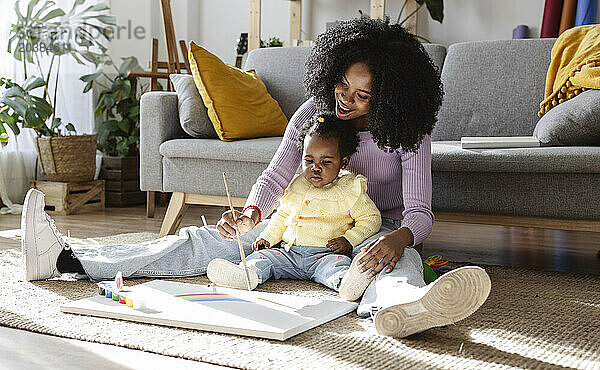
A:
231,311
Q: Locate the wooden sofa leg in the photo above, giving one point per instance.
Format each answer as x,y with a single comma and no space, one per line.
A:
150,205
175,212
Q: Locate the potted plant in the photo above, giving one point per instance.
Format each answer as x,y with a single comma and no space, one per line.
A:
119,132
46,30
19,108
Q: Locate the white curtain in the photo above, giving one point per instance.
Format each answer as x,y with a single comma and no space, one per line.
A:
18,160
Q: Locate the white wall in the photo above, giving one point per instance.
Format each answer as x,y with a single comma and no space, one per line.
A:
216,24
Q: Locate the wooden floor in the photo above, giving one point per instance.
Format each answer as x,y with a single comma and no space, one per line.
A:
547,249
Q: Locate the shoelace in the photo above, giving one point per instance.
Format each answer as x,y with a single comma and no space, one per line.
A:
374,311
54,229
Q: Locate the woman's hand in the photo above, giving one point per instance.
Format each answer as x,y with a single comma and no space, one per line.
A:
260,244
385,251
226,226
340,245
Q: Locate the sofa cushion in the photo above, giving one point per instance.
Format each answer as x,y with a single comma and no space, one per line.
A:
282,71
437,53
192,112
491,85
573,122
259,150
448,156
237,102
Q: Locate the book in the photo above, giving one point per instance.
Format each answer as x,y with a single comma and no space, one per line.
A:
495,142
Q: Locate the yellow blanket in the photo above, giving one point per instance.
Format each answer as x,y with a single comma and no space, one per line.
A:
574,67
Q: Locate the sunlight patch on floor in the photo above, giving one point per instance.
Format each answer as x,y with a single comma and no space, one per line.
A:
536,348
10,234
589,304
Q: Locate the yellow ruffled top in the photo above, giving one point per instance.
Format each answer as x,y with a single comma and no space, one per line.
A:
574,66
310,216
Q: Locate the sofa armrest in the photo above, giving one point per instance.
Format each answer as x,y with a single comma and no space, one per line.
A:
159,122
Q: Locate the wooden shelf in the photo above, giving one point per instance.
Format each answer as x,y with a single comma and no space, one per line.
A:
254,22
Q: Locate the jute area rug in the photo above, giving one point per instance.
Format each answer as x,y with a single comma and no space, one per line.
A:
532,319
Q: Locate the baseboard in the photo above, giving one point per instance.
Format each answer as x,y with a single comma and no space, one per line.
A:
519,221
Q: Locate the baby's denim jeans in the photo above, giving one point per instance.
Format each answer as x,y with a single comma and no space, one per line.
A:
303,263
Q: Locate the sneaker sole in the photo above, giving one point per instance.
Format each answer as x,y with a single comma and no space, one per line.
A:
28,249
452,297
230,275
354,283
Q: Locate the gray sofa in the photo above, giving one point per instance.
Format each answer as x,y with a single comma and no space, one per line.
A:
492,88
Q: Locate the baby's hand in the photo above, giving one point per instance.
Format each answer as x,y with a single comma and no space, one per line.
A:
340,245
261,244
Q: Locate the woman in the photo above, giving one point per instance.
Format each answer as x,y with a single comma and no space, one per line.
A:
379,79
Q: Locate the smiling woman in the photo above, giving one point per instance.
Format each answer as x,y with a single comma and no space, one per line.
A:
352,94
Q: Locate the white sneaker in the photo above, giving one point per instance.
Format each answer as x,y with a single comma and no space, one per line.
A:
451,298
41,242
230,275
354,283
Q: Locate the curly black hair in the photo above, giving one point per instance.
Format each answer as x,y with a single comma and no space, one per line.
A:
407,90
327,125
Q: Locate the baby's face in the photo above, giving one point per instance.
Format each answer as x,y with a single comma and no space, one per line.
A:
321,161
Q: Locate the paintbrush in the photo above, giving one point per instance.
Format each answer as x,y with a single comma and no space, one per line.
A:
237,232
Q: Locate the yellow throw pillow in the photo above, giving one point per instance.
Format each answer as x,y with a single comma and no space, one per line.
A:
238,103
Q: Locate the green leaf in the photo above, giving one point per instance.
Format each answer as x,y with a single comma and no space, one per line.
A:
74,55
124,126
76,4
100,105
436,9
42,107
69,126
128,64
90,56
106,128
109,101
31,120
96,8
32,4
52,14
134,111
33,82
104,18
12,123
91,77
56,123
18,12
88,86
104,31
39,12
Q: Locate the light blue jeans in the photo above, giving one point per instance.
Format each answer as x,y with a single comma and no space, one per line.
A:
189,252
303,263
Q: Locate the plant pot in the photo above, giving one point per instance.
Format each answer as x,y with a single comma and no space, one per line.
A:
122,179
68,158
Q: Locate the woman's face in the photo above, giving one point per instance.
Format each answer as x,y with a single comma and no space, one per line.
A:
353,92
321,161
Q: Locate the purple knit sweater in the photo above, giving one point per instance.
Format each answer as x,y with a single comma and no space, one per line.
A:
399,183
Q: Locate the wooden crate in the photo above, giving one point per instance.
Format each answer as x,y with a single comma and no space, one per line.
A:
122,176
66,198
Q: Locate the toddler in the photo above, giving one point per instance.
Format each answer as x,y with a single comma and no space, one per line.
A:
324,212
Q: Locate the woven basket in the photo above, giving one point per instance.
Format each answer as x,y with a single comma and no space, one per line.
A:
68,158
